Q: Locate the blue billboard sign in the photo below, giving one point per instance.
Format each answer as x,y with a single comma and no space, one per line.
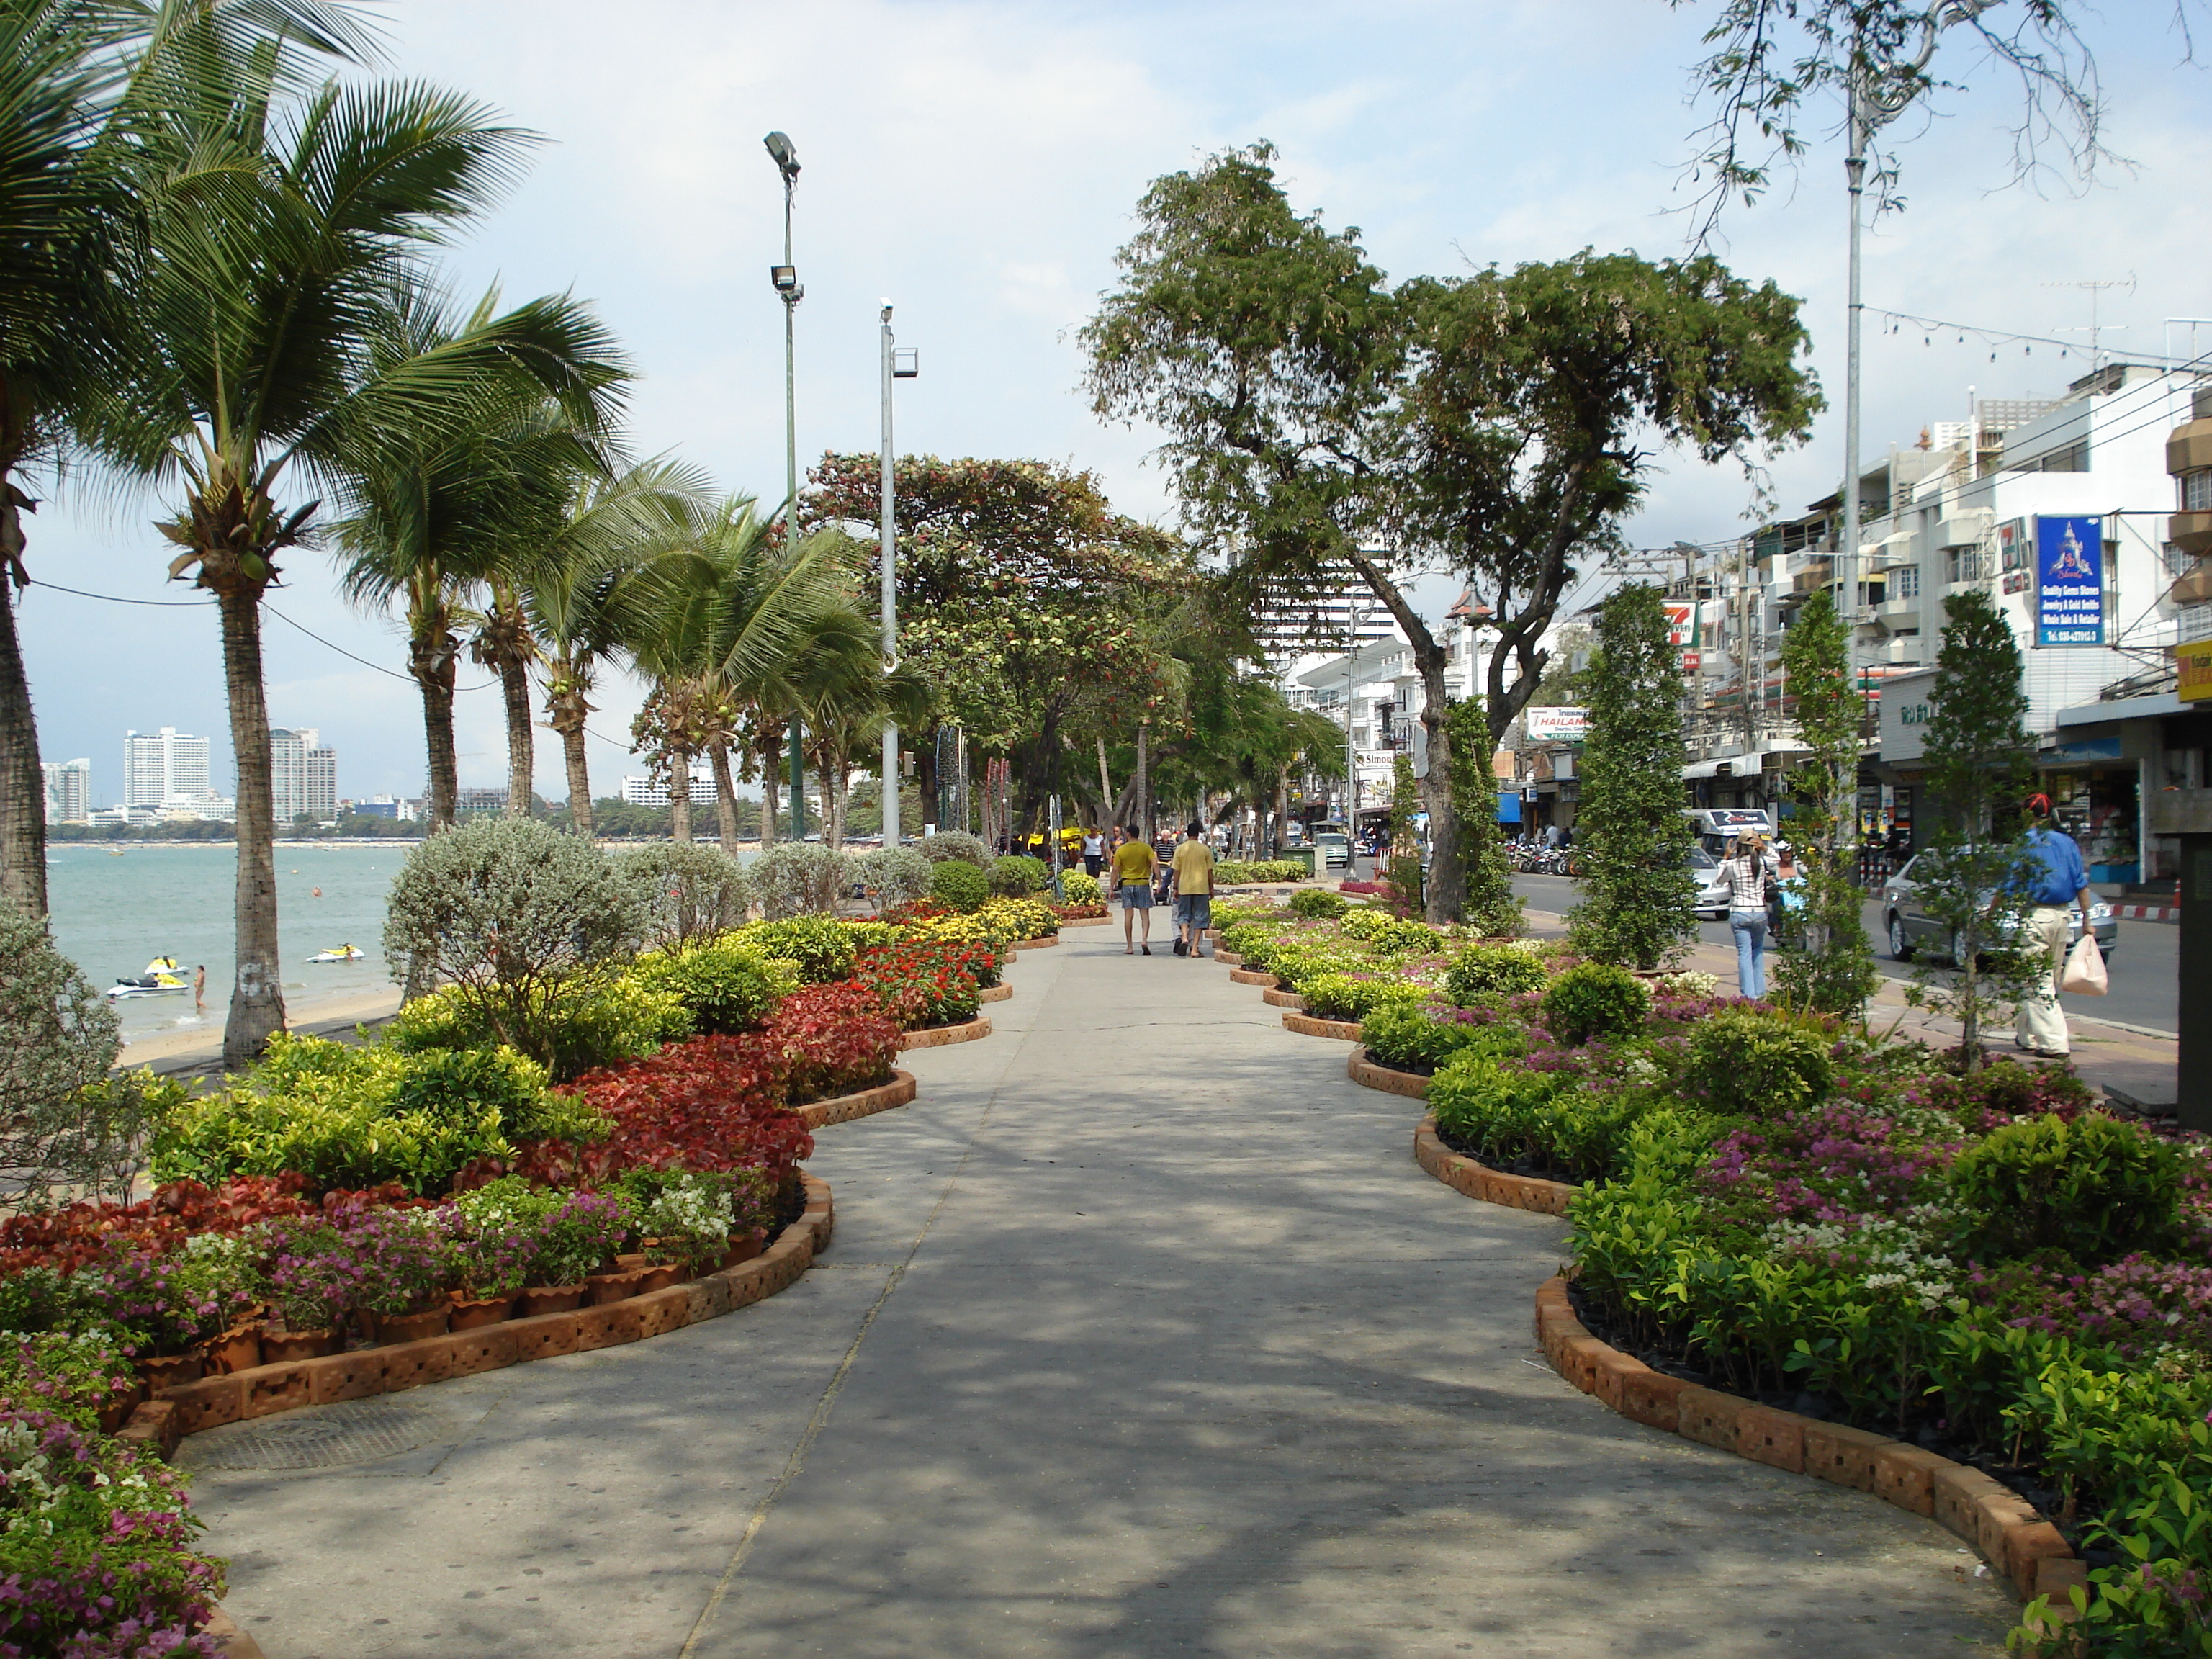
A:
2069,581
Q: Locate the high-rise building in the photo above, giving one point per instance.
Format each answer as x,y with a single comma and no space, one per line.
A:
303,776
653,791
164,766
69,790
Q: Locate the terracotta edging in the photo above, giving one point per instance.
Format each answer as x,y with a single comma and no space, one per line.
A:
1250,976
1036,944
264,1390
1067,922
2024,1548
935,1037
843,1109
1464,1174
1391,1081
1346,1031
1290,1000
1229,957
998,993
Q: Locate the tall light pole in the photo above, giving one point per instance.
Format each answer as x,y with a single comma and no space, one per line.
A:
785,279
897,365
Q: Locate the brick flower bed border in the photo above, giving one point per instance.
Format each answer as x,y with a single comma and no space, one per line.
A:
1391,1081
1084,921
1279,998
935,1037
2027,1550
1250,976
998,993
1345,1030
1036,944
843,1109
264,1390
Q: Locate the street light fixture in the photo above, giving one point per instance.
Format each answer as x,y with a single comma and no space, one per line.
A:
784,278
900,363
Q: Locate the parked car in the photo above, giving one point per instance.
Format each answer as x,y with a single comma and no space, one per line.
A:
1912,929
1712,901
1335,851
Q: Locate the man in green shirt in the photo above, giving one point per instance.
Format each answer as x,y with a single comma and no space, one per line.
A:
1134,862
1193,865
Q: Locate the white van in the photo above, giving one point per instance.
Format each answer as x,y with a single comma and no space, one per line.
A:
1716,826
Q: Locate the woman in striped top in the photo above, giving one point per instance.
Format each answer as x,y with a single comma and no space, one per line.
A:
1746,868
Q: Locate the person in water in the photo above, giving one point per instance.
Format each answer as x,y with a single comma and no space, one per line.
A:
199,989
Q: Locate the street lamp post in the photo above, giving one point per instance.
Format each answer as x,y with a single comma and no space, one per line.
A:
785,279
897,365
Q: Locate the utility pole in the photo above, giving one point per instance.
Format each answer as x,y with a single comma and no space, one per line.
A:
785,279
897,365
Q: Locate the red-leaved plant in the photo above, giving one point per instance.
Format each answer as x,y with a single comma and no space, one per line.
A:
835,1039
712,1103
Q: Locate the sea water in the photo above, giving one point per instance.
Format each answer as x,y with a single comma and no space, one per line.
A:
112,916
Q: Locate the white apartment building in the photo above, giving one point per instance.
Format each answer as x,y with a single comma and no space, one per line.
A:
163,766
653,791
69,790
303,775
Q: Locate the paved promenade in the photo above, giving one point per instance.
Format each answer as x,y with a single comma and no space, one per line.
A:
1142,1334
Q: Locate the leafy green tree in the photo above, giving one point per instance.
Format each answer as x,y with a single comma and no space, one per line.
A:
1402,871
1636,841
1495,425
1492,906
1971,877
1834,973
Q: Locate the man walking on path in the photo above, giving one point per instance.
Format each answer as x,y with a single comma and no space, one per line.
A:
2055,882
1193,867
1134,865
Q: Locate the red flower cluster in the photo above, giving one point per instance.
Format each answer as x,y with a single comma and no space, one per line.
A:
835,1040
925,982
712,1103
73,1236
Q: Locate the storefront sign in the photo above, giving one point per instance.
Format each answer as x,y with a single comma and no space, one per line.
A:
2012,545
1557,725
2069,581
1904,715
2195,662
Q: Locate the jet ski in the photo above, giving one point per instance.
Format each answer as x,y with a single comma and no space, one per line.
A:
163,977
340,953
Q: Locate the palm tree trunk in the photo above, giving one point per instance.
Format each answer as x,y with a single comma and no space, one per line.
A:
257,997
566,711
579,779
679,794
436,681
726,796
1282,811
23,786
521,745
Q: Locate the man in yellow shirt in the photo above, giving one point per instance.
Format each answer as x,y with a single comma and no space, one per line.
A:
1135,863
1192,865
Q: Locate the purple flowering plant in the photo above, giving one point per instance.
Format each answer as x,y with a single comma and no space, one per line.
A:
72,1374
403,1258
168,1303
310,1272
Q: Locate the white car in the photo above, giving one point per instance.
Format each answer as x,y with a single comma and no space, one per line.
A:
1335,851
1712,901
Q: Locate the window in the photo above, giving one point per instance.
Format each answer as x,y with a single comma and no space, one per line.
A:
2177,562
1905,583
2197,492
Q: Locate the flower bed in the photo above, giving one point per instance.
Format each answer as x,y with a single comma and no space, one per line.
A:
1840,1229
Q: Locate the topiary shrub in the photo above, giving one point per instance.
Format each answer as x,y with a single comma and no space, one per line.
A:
896,875
1341,996
822,947
1485,973
1081,889
2095,1188
797,878
686,890
1594,999
1750,1064
958,884
1319,904
729,984
954,844
1017,876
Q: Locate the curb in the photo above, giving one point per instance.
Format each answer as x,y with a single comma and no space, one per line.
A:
2147,912
843,1109
1367,1075
1290,1000
1251,976
935,1037
1346,1031
1036,944
998,993
1464,1174
230,1642
264,1390
2022,1546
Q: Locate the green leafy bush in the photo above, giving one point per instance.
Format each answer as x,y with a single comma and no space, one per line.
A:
587,1020
1341,996
799,878
1016,919
1507,1114
821,946
954,844
1319,903
2095,1187
1389,935
1237,871
1082,888
62,1038
959,885
1594,999
1747,1063
1017,876
732,983
896,875
1405,1037
686,889
1482,973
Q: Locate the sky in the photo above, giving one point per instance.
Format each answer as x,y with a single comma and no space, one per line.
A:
977,165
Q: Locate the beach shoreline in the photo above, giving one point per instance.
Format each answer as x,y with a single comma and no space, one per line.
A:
163,1048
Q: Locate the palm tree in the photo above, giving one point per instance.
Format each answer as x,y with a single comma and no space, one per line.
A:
846,707
284,235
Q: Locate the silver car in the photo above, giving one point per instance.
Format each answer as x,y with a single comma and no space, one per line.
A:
1712,901
1335,851
1910,928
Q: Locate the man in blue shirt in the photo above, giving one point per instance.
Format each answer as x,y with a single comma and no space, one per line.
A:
2057,882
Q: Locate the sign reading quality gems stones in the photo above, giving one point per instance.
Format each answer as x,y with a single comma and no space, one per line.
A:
2069,581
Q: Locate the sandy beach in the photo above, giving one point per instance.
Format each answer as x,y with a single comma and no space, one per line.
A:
205,1041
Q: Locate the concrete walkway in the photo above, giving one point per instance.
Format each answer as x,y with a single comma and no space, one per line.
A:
1142,1334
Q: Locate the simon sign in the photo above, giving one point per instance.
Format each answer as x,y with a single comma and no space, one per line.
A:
2069,581
1905,715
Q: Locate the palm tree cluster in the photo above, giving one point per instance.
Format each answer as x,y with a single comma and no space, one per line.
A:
216,282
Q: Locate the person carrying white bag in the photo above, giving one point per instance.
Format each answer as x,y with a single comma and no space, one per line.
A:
2057,881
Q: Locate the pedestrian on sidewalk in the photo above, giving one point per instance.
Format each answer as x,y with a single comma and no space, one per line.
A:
1747,869
1193,867
2057,882
1094,853
1134,865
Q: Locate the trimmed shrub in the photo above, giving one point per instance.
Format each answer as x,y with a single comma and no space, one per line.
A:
1081,888
954,844
958,884
1594,999
821,948
1508,1115
1407,1038
1341,996
2095,1188
592,1018
1017,876
1235,871
896,875
1745,1063
1483,973
1387,934
729,984
1015,919
797,878
686,889
1319,904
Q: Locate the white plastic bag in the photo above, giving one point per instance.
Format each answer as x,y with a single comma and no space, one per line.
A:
2084,973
